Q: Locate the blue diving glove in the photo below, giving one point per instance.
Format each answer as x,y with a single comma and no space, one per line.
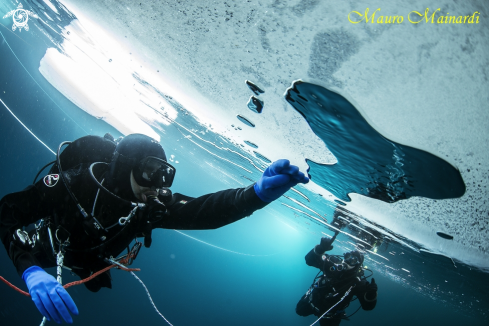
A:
277,179
50,298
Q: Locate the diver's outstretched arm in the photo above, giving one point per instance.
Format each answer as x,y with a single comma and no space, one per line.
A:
210,211
215,210
314,257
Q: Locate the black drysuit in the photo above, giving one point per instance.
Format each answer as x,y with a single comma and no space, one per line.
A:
50,200
327,291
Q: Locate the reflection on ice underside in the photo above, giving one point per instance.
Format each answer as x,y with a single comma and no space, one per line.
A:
368,163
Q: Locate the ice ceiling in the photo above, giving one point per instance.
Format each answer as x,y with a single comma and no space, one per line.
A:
421,85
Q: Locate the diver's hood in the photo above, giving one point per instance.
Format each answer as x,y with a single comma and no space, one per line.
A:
129,152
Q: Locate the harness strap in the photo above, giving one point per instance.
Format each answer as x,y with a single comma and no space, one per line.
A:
343,298
311,290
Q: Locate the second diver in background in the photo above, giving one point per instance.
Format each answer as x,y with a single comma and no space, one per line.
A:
342,279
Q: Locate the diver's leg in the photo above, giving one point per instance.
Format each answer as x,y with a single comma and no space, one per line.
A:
329,321
303,307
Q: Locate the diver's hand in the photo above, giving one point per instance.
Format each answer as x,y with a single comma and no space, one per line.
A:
277,179
325,245
372,287
371,292
156,209
50,298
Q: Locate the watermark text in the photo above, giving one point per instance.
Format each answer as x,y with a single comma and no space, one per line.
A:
414,17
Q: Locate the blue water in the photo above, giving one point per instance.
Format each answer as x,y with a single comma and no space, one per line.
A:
193,283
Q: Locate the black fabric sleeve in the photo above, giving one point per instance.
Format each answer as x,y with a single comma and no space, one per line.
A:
368,299
210,211
20,209
16,211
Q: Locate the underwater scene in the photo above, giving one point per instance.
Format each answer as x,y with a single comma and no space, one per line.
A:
394,143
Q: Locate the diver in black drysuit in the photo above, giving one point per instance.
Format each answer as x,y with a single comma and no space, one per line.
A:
92,219
339,275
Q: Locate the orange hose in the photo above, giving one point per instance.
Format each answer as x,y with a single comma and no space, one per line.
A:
98,273
14,287
76,282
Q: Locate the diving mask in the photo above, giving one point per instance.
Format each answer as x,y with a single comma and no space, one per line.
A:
154,172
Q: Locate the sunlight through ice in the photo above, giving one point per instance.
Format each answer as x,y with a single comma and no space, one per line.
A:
101,77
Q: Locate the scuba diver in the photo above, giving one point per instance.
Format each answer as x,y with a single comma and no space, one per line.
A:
99,196
342,278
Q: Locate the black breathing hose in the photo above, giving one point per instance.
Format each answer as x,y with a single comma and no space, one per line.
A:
72,195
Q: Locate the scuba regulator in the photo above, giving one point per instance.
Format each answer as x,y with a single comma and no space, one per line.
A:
155,210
